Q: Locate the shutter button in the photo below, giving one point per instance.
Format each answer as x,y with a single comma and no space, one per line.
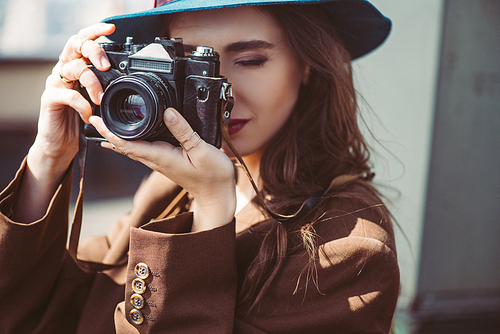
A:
142,270
139,286
136,316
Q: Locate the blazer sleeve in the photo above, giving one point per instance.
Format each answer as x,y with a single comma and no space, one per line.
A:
33,261
179,282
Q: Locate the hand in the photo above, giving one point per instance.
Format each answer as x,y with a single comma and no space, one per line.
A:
203,170
56,142
58,125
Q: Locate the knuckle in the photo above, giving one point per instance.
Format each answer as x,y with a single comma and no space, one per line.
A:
183,131
75,39
52,81
183,134
88,79
66,70
90,47
73,97
204,154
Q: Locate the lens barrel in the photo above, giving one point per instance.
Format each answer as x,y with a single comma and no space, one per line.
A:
132,106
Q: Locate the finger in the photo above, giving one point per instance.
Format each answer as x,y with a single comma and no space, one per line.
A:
78,70
136,150
181,129
58,79
94,88
97,30
53,98
151,154
114,142
83,45
93,51
73,69
79,46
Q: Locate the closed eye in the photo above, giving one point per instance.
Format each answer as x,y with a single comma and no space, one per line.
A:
253,62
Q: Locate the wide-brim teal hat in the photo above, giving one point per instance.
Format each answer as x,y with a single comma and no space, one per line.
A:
360,25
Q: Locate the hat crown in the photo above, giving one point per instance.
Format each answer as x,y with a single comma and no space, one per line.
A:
359,24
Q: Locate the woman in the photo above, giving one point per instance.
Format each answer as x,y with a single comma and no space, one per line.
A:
333,269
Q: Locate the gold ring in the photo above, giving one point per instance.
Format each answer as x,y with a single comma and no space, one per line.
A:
63,78
123,152
187,149
81,72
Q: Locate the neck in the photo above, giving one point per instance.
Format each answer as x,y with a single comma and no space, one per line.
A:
244,187
253,164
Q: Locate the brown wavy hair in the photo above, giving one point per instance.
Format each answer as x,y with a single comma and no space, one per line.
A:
319,142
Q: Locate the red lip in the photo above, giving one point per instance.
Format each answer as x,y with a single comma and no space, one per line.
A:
236,125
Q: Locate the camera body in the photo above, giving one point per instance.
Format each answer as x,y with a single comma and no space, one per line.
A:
146,79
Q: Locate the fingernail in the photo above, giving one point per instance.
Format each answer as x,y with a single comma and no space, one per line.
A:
105,62
170,116
100,96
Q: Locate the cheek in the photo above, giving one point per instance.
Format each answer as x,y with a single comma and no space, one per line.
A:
272,91
280,91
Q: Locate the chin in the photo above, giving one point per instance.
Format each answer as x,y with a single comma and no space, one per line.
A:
244,152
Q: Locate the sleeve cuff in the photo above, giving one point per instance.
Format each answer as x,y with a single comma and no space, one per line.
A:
191,277
59,201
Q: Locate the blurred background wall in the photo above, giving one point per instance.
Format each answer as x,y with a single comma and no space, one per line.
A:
432,115
459,274
435,90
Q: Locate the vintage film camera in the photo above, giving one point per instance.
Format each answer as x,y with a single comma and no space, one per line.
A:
146,79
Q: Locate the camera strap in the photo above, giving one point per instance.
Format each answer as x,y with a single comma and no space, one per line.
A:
282,219
308,204
76,224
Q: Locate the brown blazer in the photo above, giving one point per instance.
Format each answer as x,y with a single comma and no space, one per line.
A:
192,282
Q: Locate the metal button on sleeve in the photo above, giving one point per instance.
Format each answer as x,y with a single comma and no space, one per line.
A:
136,316
142,270
139,286
137,301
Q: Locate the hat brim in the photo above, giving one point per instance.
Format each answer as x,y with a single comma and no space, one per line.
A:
360,25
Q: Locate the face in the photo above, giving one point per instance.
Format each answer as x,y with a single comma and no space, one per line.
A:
257,60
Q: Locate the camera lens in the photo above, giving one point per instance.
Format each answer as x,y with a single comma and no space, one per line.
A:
132,106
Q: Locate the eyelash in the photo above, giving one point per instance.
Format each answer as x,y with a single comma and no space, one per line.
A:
254,62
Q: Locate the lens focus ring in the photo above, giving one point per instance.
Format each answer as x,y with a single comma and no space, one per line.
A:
132,106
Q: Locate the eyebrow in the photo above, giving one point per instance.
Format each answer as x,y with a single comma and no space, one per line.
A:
238,46
247,45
